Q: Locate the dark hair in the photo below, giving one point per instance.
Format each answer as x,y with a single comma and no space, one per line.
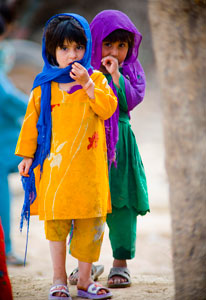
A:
8,12
121,35
58,30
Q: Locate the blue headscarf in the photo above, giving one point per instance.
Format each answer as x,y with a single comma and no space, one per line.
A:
49,73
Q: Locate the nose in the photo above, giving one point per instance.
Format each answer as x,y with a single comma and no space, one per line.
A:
114,51
72,54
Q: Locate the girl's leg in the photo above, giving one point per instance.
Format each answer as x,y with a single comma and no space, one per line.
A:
85,246
56,232
122,234
85,279
58,255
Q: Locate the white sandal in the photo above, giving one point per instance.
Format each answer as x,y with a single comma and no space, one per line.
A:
59,288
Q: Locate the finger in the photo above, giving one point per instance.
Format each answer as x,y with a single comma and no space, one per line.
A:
25,175
107,62
73,71
78,65
21,168
77,70
77,73
72,75
26,170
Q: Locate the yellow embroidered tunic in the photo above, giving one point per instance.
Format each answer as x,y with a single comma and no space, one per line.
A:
74,182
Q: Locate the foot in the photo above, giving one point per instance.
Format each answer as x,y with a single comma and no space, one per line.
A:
13,260
85,285
59,290
118,279
60,294
94,291
60,283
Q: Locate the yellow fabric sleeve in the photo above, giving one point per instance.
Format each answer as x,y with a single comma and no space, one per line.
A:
105,102
27,141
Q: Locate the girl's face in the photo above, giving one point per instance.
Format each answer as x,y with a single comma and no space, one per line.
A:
116,49
70,52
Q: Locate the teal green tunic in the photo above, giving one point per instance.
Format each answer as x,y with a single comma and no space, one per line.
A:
128,186
128,183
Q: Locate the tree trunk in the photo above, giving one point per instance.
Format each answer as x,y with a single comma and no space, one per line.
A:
179,40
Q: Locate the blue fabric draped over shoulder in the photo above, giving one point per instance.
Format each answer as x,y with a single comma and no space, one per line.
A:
43,79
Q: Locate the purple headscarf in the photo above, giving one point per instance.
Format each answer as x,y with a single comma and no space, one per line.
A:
101,26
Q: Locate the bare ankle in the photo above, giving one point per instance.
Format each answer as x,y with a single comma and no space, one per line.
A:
119,263
60,280
84,283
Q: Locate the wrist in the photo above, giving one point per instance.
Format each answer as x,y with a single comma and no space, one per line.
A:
115,77
116,74
88,84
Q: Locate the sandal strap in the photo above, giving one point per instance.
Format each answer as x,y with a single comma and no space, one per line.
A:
94,269
59,288
94,288
75,271
120,271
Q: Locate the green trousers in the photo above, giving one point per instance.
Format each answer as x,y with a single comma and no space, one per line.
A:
122,232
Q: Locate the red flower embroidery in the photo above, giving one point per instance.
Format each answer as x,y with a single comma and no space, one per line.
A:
53,106
93,141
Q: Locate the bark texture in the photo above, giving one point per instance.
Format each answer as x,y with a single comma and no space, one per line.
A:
179,41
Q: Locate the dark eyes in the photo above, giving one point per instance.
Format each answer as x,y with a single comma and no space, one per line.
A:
78,47
107,44
120,45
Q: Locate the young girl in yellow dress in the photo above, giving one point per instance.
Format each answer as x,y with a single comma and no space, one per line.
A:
63,145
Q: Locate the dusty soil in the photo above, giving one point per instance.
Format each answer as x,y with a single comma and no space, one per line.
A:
151,269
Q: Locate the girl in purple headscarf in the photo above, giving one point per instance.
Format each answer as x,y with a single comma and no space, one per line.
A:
115,49
115,46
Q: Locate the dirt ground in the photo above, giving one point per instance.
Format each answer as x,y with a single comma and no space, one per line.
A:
151,269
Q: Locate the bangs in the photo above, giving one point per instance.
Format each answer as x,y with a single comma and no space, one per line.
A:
120,35
71,33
